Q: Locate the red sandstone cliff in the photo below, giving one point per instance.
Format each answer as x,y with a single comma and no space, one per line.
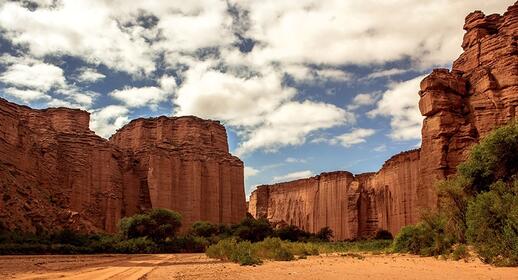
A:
55,172
460,106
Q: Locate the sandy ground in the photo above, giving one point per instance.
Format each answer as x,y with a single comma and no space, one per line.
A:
197,266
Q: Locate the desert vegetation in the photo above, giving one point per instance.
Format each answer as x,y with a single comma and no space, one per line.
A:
478,208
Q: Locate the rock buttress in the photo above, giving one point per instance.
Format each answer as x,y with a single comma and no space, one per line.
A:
181,164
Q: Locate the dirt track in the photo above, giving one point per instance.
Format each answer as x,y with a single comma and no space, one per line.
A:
197,266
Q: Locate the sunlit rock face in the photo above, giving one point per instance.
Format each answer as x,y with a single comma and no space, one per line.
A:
56,173
460,107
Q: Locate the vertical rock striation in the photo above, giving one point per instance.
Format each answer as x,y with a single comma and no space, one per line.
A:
460,106
182,164
56,173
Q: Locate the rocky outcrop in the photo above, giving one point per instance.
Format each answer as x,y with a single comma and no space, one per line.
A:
460,107
351,205
56,173
182,164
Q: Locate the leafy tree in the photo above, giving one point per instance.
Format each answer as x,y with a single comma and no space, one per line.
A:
252,229
156,224
204,229
325,234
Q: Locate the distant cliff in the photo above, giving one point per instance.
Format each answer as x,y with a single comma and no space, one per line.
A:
479,94
56,173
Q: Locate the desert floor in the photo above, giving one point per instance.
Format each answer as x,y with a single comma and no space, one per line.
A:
197,266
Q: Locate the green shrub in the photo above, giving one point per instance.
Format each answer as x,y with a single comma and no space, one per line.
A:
204,229
157,224
273,249
492,220
383,234
460,252
427,238
136,246
253,230
325,234
222,249
231,250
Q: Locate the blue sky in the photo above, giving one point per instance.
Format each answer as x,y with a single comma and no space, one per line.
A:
303,87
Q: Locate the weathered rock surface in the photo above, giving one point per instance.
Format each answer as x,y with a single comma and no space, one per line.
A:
479,94
55,172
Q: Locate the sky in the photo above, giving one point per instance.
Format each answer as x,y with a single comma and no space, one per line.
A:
302,86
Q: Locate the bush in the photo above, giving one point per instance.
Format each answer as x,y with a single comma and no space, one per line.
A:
460,252
157,224
204,229
136,246
492,221
291,233
253,230
325,234
185,244
383,234
427,238
231,250
273,249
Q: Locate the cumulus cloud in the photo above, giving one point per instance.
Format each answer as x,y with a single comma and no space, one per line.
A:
107,120
363,99
27,95
250,172
139,97
293,176
356,136
89,75
306,74
282,128
38,76
400,104
386,73
361,32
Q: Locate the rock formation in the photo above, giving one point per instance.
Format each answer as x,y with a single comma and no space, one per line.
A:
460,106
56,173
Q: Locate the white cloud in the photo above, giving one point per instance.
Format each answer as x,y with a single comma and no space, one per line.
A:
306,74
250,172
363,99
386,73
295,160
107,120
27,95
38,76
238,101
89,75
293,176
400,104
140,97
354,137
336,32
291,123
380,148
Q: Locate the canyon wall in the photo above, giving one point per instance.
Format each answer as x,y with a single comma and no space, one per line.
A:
56,173
460,107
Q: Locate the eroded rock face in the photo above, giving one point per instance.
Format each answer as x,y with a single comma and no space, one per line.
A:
479,94
182,164
56,173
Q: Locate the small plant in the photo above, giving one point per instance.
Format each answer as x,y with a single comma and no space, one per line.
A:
460,252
